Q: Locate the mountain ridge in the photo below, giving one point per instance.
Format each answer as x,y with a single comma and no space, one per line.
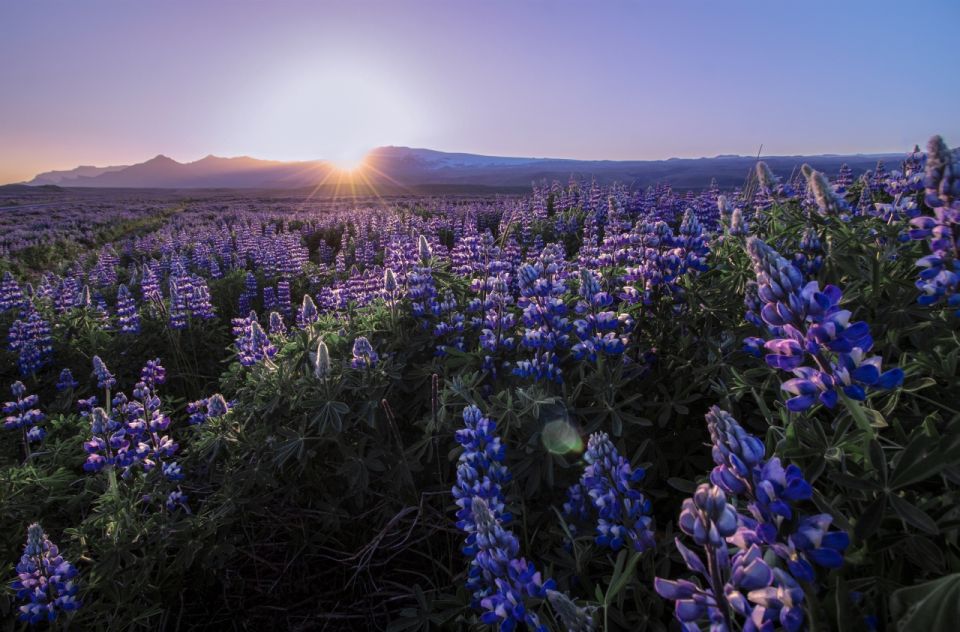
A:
399,166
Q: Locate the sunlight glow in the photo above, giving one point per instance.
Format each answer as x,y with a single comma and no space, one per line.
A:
348,164
314,109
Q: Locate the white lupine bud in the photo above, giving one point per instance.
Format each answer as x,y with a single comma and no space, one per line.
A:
321,361
425,251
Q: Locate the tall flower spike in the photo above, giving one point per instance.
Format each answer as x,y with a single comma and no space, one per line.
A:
104,377
23,414
127,315
307,314
424,249
812,337
608,484
45,581
389,282
942,180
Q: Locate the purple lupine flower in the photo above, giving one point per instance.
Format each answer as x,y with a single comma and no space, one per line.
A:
31,338
389,284
269,298
153,374
810,258
249,293
307,314
127,315
105,379
253,345
277,326
608,487
709,520
66,382
11,295
844,179
772,493
45,581
150,286
203,410
810,327
498,579
180,290
747,585
510,578
198,300
600,331
284,302
364,357
23,414
545,318
939,278
176,500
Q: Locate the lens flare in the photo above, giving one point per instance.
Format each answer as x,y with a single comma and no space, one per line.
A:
560,437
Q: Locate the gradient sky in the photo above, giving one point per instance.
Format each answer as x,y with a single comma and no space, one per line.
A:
116,82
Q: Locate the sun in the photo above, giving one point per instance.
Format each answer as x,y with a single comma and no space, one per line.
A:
349,164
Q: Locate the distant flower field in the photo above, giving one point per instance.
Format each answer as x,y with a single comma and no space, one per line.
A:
585,408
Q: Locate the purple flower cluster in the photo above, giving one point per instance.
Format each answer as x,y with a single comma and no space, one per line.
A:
607,493
203,410
252,343
66,382
739,580
599,329
940,275
132,434
810,258
307,314
24,415
364,357
32,340
127,315
501,582
11,295
812,337
547,326
45,581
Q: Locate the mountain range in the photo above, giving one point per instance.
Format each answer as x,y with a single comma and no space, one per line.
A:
403,167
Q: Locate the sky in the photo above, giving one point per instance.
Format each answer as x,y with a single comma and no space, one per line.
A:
108,82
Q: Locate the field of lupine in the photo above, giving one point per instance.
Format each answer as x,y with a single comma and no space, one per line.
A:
582,409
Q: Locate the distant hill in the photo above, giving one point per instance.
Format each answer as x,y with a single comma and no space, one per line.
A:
399,167
66,178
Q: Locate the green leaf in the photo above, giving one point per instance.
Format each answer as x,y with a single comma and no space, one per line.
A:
911,514
877,459
622,573
930,606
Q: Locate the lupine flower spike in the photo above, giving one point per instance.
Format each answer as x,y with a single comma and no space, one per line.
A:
45,581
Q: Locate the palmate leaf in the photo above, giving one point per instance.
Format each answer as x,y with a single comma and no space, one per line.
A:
330,416
930,606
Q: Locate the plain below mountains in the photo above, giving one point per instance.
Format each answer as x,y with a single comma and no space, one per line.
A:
401,167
